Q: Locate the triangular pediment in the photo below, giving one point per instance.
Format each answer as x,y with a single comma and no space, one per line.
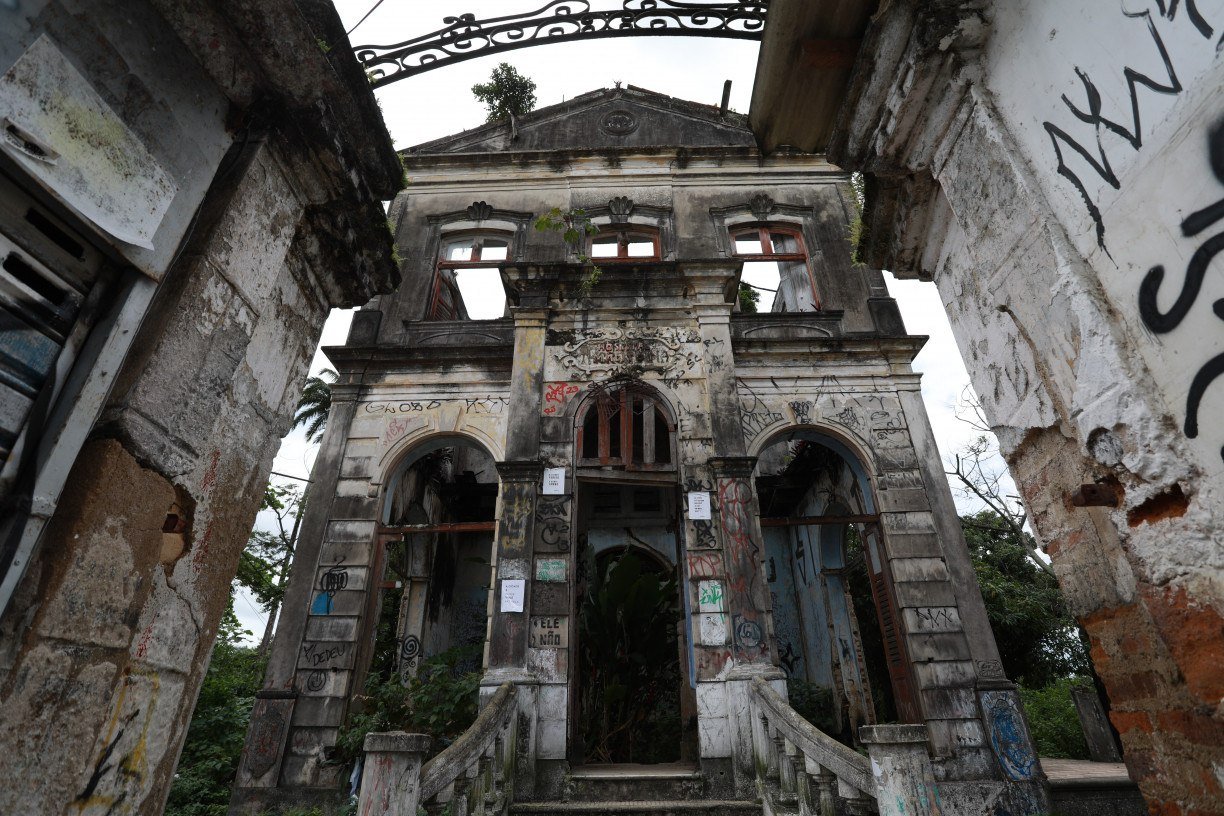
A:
613,118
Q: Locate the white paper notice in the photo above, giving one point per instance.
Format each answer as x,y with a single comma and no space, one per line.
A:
554,481
513,592
699,505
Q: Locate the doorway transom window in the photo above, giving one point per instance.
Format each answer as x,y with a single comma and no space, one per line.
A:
628,428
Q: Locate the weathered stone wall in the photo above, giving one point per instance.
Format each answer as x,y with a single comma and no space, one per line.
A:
269,161
1043,164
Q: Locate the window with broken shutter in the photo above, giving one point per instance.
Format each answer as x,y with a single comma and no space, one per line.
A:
904,688
51,287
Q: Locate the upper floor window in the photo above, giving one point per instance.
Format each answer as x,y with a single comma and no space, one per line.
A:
776,262
628,428
467,281
628,244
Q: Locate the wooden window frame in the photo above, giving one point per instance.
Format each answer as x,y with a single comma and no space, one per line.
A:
623,234
624,399
764,234
435,295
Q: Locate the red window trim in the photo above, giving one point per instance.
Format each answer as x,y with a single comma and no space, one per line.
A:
623,407
763,232
435,296
622,245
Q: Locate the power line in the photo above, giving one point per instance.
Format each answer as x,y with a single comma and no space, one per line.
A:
363,19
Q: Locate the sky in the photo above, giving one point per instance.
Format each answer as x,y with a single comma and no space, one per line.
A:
439,102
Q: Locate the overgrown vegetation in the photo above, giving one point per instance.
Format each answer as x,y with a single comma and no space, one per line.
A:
218,727
749,298
440,701
1053,720
574,225
314,407
1036,634
629,669
507,93
858,230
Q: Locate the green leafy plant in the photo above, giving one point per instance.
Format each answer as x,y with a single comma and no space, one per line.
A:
748,299
440,701
814,703
574,225
215,737
858,230
629,667
507,93
1037,635
314,407
1053,720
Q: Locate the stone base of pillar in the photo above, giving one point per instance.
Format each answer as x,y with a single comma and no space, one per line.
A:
391,776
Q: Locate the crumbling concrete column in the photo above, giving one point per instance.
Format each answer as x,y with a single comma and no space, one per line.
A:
391,777
901,767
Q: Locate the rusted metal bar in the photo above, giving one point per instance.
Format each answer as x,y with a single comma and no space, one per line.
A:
811,521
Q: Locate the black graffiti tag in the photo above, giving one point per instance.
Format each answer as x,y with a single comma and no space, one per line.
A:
1196,270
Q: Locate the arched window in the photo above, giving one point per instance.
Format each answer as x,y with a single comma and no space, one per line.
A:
467,283
625,244
776,261
628,427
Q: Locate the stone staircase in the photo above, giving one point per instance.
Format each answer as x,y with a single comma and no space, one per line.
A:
675,789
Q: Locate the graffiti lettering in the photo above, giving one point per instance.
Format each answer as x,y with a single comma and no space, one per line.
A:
552,522
486,405
850,418
317,654
704,565
711,662
1093,114
410,407
703,534
1164,322
556,395
802,409
748,635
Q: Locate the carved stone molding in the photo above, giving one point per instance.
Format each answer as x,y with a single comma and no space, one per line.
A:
623,350
619,209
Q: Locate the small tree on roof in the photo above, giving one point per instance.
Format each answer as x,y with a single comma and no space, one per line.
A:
506,93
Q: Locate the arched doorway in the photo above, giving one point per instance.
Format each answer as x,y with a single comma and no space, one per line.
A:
834,613
630,698
435,540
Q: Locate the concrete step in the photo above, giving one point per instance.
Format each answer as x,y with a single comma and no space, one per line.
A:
712,807
671,782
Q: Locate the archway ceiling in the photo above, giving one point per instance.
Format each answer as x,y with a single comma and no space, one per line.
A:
462,36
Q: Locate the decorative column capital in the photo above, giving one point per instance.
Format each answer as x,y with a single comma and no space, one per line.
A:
732,467
520,470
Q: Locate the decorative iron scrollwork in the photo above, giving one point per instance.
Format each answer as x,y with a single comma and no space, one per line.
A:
464,37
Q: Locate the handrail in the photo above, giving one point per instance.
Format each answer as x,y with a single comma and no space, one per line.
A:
463,753
845,763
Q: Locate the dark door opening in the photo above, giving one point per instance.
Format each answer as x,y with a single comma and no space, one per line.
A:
629,687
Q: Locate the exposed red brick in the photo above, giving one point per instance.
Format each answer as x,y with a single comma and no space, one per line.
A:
1194,634
1130,720
1172,503
1196,726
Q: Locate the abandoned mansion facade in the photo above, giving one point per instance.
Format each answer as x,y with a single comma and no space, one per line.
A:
538,427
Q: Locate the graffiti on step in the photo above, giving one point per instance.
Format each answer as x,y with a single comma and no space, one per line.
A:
1163,322
1125,123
